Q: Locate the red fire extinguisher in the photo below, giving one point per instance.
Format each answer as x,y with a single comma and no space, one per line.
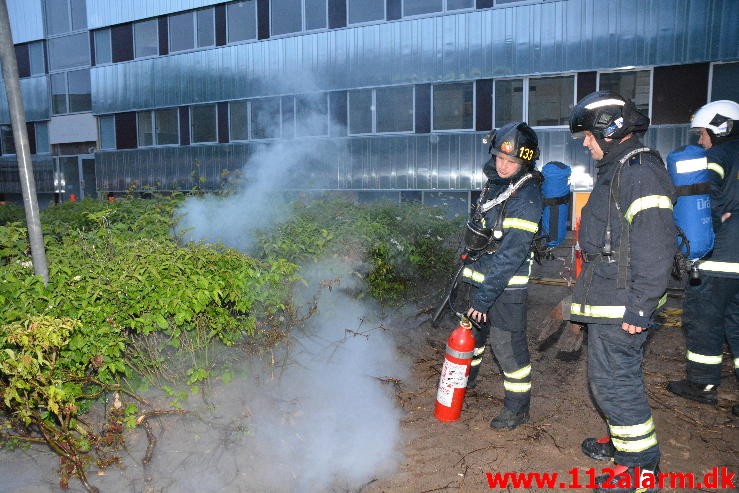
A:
453,383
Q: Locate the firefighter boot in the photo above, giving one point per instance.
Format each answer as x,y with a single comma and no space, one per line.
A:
631,479
705,394
598,448
508,420
472,378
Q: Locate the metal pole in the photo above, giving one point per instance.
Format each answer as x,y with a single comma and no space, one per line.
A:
20,136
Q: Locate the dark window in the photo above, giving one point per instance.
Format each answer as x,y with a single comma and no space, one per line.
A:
586,83
23,61
6,139
125,130
423,108
724,84
288,116
338,108
484,102
263,19
222,109
184,125
483,4
163,35
337,13
122,41
220,25
689,81
31,134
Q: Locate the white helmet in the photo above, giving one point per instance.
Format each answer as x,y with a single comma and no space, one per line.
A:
717,116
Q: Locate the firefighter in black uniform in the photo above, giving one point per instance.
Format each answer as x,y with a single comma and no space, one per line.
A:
628,240
711,308
498,239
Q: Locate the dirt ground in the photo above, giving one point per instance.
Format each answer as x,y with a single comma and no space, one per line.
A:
456,456
436,456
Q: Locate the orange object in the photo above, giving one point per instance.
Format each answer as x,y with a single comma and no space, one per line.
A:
453,382
72,197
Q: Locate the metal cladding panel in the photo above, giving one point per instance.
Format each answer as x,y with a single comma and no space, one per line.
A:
43,174
101,13
537,38
35,91
404,162
26,20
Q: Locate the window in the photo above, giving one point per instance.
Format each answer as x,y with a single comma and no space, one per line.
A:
63,16
290,16
418,7
106,131
365,11
241,19
265,118
203,124
70,92
191,30
36,57
633,85
158,127
103,48
311,115
6,139
550,100
239,120
723,81
146,38
69,51
80,94
394,109
42,138
540,101
360,111
508,101
460,4
452,106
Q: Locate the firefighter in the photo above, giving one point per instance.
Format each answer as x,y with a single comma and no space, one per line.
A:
628,241
502,228
711,308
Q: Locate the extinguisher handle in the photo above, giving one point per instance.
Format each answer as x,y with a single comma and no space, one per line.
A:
474,323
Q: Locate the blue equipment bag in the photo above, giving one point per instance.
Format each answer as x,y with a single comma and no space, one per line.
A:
688,170
556,191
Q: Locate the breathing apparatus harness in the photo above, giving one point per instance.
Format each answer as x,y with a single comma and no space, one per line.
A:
479,240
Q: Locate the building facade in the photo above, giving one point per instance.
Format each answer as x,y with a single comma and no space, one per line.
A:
385,98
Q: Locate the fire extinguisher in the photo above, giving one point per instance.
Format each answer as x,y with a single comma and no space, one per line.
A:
453,383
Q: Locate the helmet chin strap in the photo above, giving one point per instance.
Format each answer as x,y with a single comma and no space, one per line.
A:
606,146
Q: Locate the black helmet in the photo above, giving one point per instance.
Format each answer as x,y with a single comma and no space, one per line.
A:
515,141
607,115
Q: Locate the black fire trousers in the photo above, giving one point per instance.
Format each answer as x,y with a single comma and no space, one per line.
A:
506,329
710,314
617,385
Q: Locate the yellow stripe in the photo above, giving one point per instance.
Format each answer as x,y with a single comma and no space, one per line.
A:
514,222
718,266
636,445
476,362
473,274
662,300
597,311
717,169
704,359
516,386
648,202
632,430
519,374
478,351
518,280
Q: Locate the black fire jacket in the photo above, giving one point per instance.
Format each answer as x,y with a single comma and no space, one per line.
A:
640,207
723,160
510,265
